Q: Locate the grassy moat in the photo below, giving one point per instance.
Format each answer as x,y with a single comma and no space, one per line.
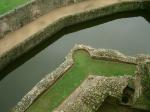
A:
83,66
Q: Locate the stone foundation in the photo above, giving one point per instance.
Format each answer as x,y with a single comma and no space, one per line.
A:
48,80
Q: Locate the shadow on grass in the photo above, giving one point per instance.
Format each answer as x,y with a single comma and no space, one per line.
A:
111,104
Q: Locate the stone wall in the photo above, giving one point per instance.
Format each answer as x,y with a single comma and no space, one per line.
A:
92,92
26,13
30,11
108,54
49,79
38,37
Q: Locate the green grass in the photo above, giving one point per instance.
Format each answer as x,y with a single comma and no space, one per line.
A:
6,5
84,65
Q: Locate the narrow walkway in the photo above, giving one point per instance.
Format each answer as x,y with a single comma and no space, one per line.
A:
13,39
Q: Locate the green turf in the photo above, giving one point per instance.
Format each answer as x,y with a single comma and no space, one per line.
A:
84,65
6,5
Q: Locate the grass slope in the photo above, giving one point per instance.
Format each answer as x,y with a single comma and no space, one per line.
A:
84,65
6,5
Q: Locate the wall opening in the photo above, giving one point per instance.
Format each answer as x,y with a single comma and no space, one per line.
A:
127,96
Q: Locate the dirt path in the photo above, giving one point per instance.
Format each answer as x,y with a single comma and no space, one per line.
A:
15,38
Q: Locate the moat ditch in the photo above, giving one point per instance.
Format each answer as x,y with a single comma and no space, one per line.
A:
126,32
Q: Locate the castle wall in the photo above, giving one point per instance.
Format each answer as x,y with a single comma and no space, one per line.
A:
28,12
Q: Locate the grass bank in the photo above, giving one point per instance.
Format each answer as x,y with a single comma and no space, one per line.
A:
83,66
7,5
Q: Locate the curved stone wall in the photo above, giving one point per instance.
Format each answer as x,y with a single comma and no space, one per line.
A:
49,79
28,12
118,6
